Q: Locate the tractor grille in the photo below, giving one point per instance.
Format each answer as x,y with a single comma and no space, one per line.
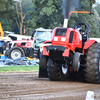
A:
56,55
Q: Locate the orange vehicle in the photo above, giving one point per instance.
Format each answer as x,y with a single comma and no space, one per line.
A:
1,31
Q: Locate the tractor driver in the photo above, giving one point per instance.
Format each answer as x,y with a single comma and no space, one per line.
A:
82,32
79,29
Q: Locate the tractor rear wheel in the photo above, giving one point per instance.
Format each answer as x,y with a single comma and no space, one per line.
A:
92,66
16,52
57,72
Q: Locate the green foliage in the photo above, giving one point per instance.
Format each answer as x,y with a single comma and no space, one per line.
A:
97,8
6,24
6,14
6,8
97,17
86,18
46,14
27,5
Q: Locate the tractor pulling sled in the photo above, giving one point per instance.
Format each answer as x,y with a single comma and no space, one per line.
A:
71,49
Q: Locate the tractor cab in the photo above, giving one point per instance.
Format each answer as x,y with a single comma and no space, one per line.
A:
39,36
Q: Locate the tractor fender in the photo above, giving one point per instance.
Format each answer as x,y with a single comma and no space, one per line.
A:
18,45
88,44
46,43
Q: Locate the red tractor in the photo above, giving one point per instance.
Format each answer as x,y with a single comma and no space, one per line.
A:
19,48
71,50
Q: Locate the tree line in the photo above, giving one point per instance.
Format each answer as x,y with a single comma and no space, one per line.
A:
31,14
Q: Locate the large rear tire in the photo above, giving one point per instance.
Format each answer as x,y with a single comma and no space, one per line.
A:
57,72
15,53
92,67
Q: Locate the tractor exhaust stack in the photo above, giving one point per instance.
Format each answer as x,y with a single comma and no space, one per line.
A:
65,23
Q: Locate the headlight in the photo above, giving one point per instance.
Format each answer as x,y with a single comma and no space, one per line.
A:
55,38
63,39
41,48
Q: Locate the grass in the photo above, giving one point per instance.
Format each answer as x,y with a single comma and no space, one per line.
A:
19,68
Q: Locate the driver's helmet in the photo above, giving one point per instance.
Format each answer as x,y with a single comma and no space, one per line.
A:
78,28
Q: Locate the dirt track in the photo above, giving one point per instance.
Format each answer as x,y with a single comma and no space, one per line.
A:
27,86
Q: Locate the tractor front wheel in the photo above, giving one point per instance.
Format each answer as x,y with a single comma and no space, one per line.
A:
92,66
57,72
16,52
43,66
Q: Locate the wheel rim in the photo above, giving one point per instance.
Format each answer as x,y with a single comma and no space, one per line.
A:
15,54
78,65
64,68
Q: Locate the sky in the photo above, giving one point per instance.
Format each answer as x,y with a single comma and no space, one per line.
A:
98,1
